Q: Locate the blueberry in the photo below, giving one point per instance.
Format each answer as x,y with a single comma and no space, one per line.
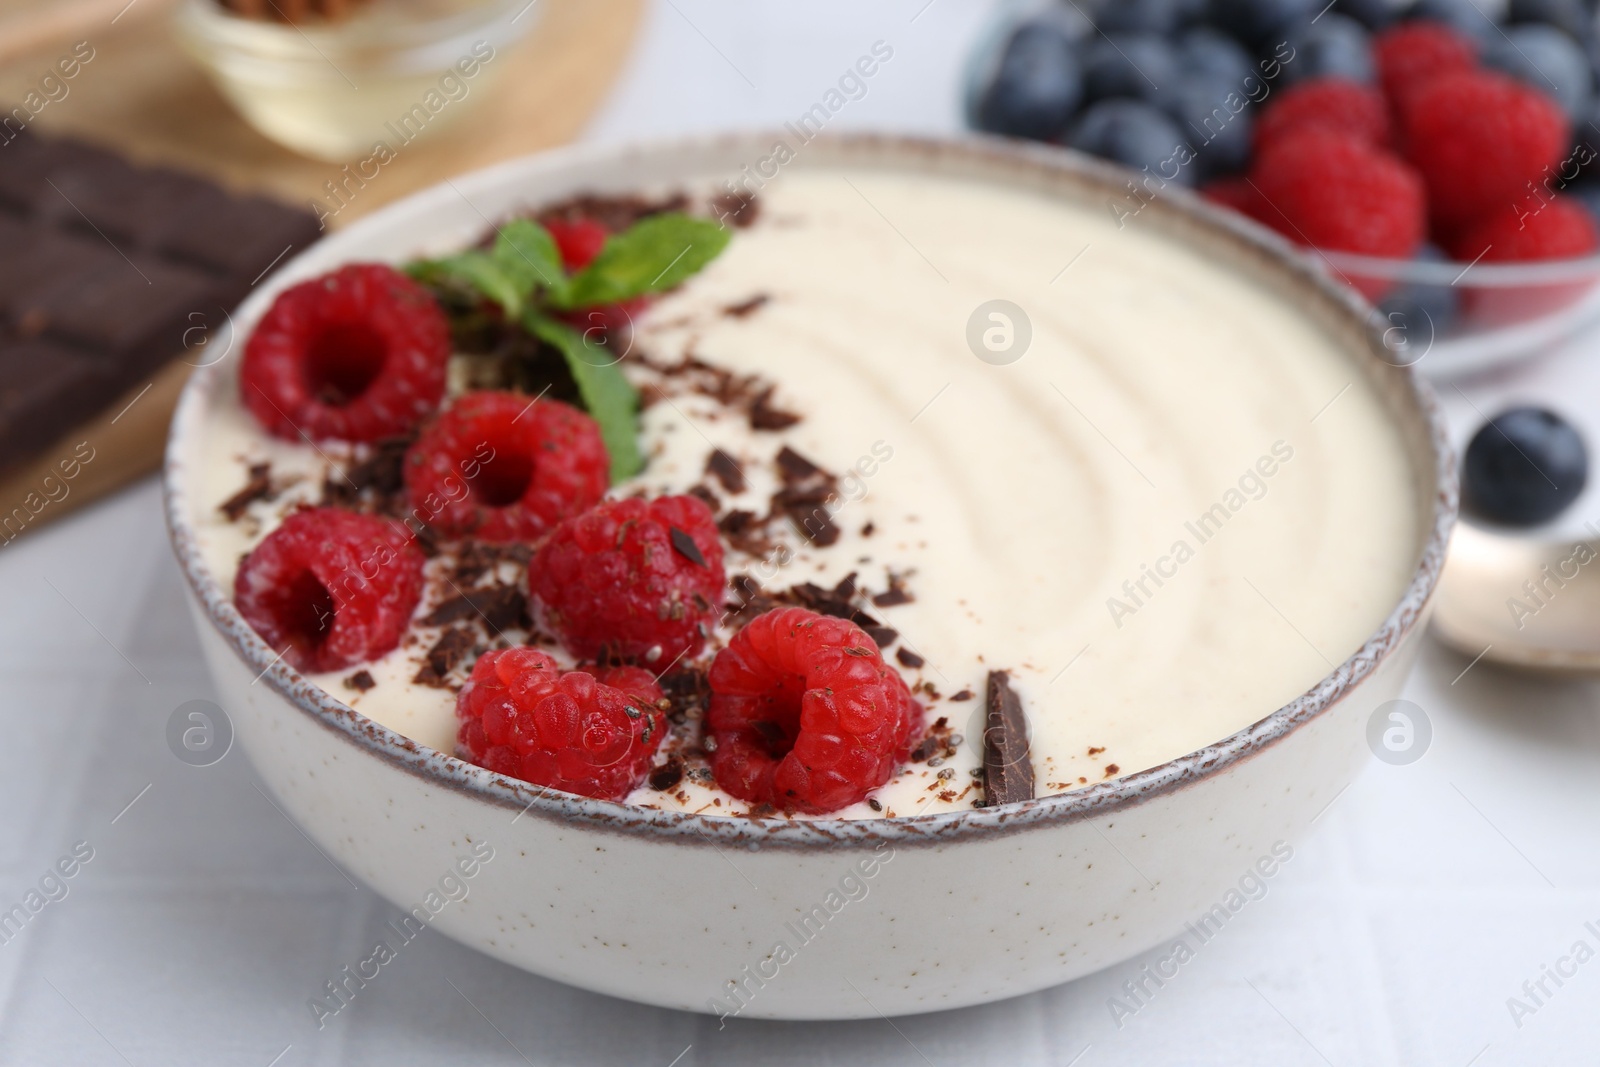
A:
1524,467
1214,116
1262,24
1332,47
1568,15
1419,314
1587,195
1145,16
1546,59
1461,15
1037,85
1373,14
1128,64
1210,52
1136,135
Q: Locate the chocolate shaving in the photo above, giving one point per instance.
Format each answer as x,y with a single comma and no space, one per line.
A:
804,498
746,532
615,213
908,658
965,694
499,607
745,307
884,636
474,559
797,470
451,648
687,691
706,497
764,416
375,484
258,487
685,546
725,469
738,209
667,776
361,681
1007,767
894,596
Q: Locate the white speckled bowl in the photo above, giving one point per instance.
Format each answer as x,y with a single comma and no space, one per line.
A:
876,916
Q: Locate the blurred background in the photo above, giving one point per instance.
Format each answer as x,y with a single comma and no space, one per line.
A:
1443,885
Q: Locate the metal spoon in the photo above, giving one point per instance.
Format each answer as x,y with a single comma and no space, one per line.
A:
1522,602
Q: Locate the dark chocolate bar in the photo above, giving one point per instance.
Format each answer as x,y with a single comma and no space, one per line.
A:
108,271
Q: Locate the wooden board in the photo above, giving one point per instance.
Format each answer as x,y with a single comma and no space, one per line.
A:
143,96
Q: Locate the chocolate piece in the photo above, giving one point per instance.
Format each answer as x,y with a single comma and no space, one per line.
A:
361,681
745,531
908,658
376,483
805,496
745,307
499,607
725,469
738,209
882,636
451,648
475,558
667,776
892,597
965,694
685,546
258,487
764,416
1007,767
706,497
117,267
797,470
687,691
615,213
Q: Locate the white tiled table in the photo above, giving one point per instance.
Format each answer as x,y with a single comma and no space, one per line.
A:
1423,900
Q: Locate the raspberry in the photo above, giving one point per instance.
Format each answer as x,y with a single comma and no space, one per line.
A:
331,588
622,580
502,467
1556,229
355,355
523,717
578,240
806,715
1479,140
1413,53
1329,103
1236,192
1330,190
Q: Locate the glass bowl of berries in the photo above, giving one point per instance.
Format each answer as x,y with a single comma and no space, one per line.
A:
1444,163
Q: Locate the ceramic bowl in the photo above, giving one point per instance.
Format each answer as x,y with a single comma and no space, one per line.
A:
825,919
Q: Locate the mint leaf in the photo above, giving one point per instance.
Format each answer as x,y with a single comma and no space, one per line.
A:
651,256
606,392
526,253
476,271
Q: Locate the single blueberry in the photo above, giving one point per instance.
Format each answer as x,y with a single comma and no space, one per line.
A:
1463,16
1206,51
1037,85
1213,115
1332,47
1145,16
1127,64
1546,59
1373,14
1569,15
1263,24
1585,154
1524,467
1417,314
1137,135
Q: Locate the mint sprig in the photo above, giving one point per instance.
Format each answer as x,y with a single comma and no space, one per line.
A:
612,401
655,254
522,272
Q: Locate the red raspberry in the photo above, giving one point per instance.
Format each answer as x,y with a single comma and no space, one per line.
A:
331,588
1329,103
578,240
622,579
1236,192
1413,53
504,467
523,717
1330,190
1557,229
1479,140
356,355
806,715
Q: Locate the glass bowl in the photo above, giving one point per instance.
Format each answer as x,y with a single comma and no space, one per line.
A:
361,87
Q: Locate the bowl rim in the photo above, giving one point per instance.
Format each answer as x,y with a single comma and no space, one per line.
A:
444,770
1452,272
